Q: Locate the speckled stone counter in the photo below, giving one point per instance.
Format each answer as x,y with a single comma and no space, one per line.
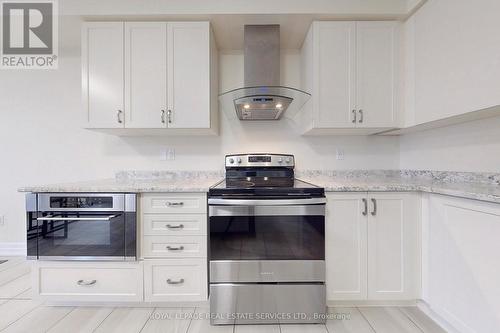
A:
139,182
479,186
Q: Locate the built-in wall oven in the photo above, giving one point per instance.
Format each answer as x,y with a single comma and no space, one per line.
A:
81,226
267,244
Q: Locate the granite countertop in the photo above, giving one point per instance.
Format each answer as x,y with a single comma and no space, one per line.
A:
479,186
139,182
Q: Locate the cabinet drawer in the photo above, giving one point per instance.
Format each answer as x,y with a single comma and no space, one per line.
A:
175,280
176,203
64,281
175,246
174,224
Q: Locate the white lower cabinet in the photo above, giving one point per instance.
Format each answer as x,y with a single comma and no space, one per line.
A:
346,247
372,250
175,280
88,281
174,247
460,262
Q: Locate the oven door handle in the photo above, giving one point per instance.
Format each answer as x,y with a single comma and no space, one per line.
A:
106,218
265,202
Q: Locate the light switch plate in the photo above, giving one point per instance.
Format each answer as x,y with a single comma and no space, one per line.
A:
340,154
167,154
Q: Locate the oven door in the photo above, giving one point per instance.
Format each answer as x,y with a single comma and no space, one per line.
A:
273,229
84,236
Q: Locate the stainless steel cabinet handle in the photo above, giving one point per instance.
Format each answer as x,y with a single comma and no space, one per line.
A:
180,203
104,218
365,203
266,202
180,281
169,116
119,116
170,248
354,116
86,283
163,116
374,212
179,226
361,117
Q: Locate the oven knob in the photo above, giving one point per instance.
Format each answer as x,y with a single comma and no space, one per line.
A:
239,160
231,160
288,160
280,160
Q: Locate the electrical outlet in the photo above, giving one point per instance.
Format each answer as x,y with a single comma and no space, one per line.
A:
340,154
167,154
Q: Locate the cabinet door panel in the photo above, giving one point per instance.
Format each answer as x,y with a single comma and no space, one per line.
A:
103,81
392,246
376,73
334,65
346,252
145,74
189,74
462,263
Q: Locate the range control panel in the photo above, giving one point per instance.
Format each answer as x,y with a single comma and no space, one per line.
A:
259,160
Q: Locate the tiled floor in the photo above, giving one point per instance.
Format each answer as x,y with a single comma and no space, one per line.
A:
19,313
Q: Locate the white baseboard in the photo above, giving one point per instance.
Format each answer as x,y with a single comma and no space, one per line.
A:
425,308
355,303
13,249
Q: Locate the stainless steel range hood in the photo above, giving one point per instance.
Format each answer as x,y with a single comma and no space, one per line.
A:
262,97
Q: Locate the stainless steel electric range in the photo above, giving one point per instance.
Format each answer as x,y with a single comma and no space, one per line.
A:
267,244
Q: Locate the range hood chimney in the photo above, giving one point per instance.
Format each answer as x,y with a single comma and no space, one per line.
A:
262,97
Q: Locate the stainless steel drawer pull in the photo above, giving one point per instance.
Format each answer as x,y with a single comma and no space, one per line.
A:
170,248
175,203
354,115
361,116
365,203
374,212
179,226
86,283
180,281
119,116
104,218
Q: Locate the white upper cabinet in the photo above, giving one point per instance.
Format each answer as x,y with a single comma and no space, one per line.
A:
350,70
189,77
335,86
376,74
103,80
142,76
145,74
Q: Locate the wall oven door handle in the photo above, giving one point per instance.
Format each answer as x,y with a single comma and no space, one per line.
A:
265,202
104,218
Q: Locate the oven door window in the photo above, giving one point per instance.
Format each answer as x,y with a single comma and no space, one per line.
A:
81,235
267,238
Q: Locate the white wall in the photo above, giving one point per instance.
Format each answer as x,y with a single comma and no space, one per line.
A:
42,142
473,146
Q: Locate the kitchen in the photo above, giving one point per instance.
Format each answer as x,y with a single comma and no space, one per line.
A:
398,239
